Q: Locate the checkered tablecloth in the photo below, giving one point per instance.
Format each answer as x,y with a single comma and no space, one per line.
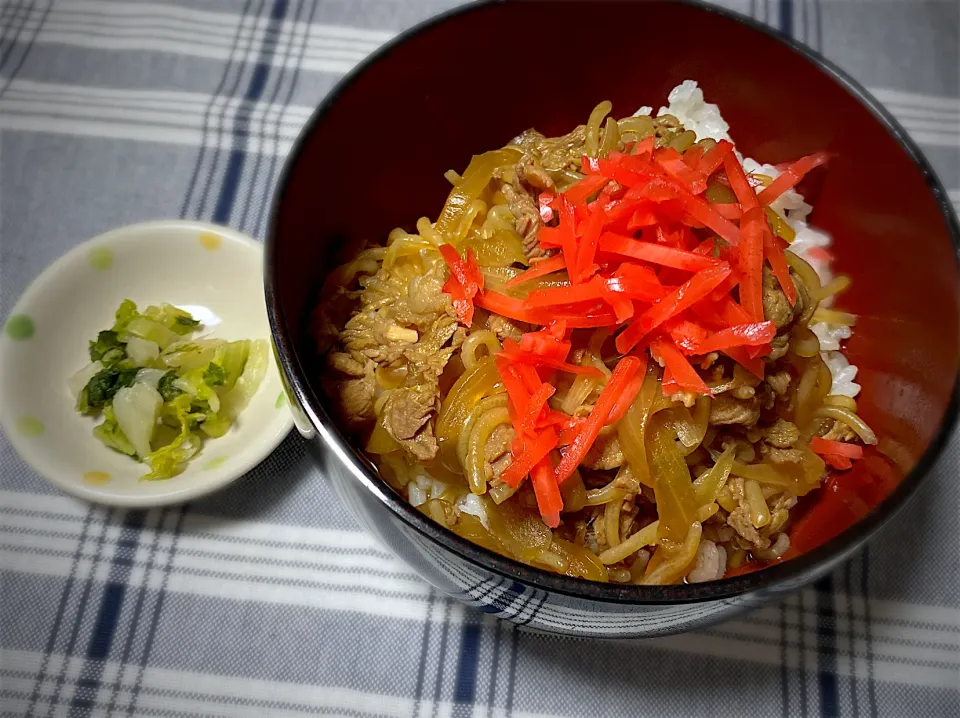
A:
267,599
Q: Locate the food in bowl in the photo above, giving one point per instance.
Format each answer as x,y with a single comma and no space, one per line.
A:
614,355
162,390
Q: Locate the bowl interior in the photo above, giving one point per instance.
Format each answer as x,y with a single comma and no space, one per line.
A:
891,231
211,272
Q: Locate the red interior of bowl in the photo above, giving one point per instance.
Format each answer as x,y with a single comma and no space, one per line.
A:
376,157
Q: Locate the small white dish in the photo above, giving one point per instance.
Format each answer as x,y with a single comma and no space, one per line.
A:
211,271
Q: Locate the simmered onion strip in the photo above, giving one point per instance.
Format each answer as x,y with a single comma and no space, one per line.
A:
610,492
708,486
394,469
677,559
691,428
814,385
631,431
676,503
468,350
850,419
366,263
844,402
594,354
833,287
611,137
580,561
644,537
636,127
479,434
591,145
426,230
474,209
496,401
777,550
833,316
611,522
804,343
499,219
553,561
583,387
574,493
404,245
471,185
759,511
798,480
472,386
706,511
501,492
806,273
389,378
701,419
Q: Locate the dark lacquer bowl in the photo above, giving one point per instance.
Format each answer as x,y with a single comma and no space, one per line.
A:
373,156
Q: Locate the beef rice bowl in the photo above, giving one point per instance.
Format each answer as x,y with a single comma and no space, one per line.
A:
617,354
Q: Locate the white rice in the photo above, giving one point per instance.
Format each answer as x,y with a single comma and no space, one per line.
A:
471,504
711,563
423,487
688,105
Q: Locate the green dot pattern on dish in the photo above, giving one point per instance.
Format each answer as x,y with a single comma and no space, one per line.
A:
100,258
30,426
215,463
20,327
281,400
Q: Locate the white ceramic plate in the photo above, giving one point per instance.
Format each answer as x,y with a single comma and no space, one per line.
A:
212,272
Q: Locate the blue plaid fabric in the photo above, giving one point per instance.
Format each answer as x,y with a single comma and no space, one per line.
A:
266,599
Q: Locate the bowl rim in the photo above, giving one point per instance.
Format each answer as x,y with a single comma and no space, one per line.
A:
112,238
802,568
